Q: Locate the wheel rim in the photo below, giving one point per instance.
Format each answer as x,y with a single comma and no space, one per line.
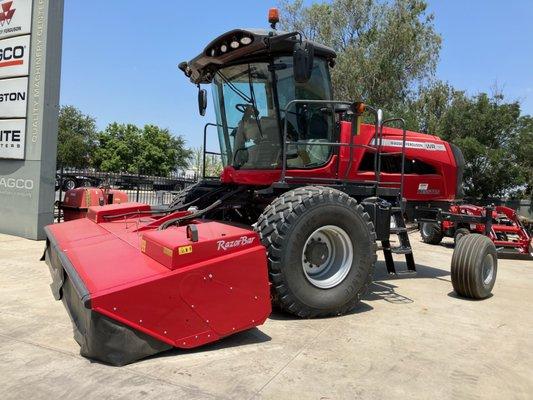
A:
327,256
488,269
70,184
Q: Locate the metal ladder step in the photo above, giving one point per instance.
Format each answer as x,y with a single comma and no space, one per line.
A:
404,245
398,230
401,250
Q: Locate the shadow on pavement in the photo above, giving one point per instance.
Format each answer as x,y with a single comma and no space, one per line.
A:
385,291
378,290
279,315
251,336
422,271
456,296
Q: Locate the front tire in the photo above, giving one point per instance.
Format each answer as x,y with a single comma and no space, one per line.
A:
474,266
321,249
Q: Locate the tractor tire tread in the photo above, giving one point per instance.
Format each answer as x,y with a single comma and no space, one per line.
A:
466,266
435,237
273,225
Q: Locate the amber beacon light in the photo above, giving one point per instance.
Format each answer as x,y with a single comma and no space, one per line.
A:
273,17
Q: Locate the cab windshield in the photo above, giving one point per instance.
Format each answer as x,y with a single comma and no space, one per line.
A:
250,127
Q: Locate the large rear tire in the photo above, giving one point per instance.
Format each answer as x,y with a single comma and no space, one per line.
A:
321,249
431,232
474,266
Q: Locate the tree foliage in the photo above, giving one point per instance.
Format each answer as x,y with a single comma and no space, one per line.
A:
149,150
385,50
213,163
387,55
76,138
496,140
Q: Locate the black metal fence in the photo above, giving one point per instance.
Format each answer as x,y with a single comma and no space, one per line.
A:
139,187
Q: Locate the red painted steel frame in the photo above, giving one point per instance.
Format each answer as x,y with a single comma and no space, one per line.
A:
212,291
430,149
512,225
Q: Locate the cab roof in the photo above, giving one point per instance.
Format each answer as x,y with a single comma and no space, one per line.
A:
252,44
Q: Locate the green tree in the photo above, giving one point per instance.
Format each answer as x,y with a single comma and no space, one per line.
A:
149,150
496,140
385,49
76,138
523,149
213,163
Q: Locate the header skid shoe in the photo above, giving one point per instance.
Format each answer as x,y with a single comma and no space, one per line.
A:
132,292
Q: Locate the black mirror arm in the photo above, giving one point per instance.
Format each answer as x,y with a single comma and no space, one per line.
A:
273,39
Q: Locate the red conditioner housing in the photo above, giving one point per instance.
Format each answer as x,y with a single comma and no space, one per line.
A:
132,290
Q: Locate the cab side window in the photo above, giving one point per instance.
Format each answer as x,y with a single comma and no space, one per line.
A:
310,123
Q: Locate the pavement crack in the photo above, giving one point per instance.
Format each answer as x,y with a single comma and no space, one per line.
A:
290,361
32,343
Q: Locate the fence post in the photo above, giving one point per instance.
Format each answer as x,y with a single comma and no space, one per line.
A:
59,201
138,184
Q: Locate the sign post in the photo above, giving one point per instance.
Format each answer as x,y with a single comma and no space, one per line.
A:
30,64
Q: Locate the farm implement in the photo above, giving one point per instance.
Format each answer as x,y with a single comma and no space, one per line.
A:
307,193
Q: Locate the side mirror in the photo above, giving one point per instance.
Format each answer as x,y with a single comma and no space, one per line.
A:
303,56
202,101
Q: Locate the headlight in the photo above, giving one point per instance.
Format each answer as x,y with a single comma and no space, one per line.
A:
234,44
246,40
223,48
213,52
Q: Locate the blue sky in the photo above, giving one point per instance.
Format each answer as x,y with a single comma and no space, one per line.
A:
120,57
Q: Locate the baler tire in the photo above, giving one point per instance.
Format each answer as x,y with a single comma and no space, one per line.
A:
433,234
474,266
459,234
285,227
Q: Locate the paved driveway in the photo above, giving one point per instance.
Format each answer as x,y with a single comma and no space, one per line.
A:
410,338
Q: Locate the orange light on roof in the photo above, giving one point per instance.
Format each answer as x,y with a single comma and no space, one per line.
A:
273,15
360,108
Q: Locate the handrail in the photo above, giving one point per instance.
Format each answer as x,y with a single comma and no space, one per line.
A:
205,147
205,144
376,148
404,137
285,126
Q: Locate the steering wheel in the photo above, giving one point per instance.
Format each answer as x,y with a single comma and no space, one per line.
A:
241,107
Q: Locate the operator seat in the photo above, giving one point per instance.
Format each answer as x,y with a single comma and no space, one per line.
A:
255,148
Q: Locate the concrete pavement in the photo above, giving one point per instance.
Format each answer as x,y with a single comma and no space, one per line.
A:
411,338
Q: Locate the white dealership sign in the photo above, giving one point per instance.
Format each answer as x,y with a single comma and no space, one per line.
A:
14,56
13,97
15,17
30,65
12,138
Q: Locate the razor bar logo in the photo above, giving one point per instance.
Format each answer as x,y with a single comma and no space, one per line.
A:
243,241
7,13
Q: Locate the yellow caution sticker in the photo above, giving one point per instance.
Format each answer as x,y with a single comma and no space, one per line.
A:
143,245
184,250
167,251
